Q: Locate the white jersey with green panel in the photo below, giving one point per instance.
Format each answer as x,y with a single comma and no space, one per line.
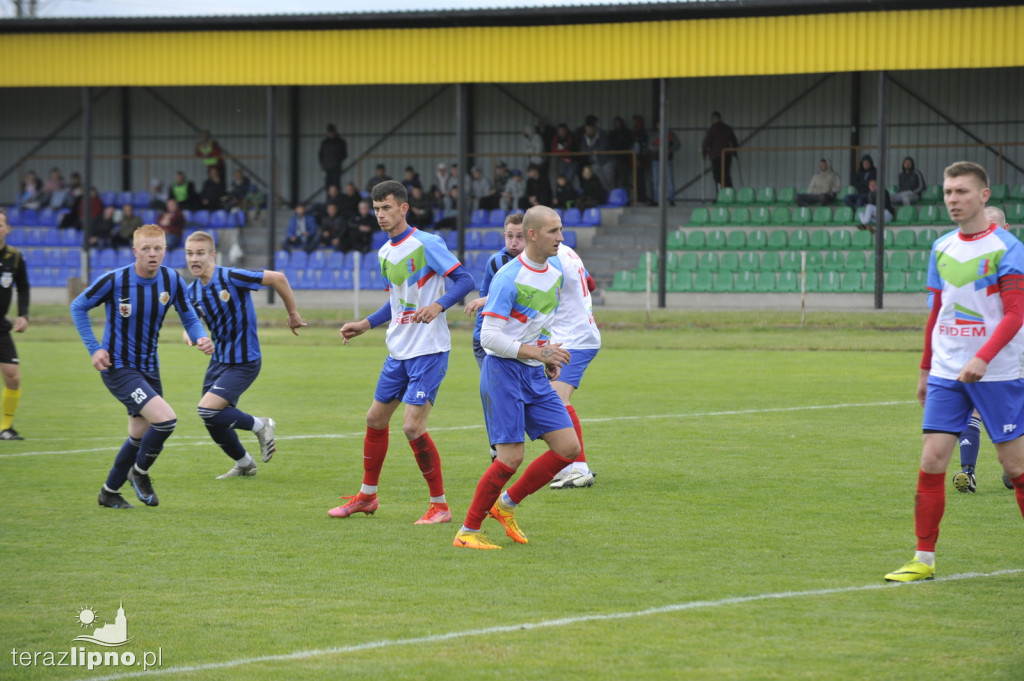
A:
527,298
414,266
966,270
574,326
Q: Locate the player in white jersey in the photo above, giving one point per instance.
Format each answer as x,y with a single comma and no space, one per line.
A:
972,356
414,264
574,327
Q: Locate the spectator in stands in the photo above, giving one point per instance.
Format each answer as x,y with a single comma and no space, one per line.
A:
620,139
101,229
126,226
864,175
421,209
538,190
563,165
451,202
73,218
74,190
172,221
642,149
453,173
515,189
532,146
565,196
211,154
238,195
303,232
501,177
411,179
442,183
156,191
54,190
824,186
547,134
214,192
332,155
363,227
867,215
673,147
593,192
593,141
481,192
380,174
31,192
184,193
332,227
718,138
911,183
348,201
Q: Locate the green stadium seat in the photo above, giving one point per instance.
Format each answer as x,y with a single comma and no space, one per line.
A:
899,261
1015,213
716,240
729,262
932,194
904,238
830,282
925,239
856,261
801,216
917,281
790,261
687,262
819,239
944,218
1018,232
781,215
788,282
736,239
798,239
681,281
869,261
832,261
746,196
786,196
641,263
672,261
895,282
750,261
757,239
1000,192
919,260
1017,193
740,216
639,282
889,239
708,262
726,196
771,262
777,240
813,280
621,280
745,282
676,240
861,239
766,196
719,215
725,282
703,281
893,188
905,215
843,216
765,282
927,215
840,239
700,216
850,282
814,261
696,239
760,215
844,192
822,215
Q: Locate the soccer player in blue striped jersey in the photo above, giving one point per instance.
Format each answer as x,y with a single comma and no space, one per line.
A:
221,297
137,298
414,264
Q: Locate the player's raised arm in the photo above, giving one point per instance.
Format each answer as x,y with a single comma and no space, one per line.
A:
279,282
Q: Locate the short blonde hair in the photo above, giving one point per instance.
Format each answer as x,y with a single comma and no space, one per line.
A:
147,231
513,219
202,236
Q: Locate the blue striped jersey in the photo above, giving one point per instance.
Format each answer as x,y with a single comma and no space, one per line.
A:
494,263
136,308
226,307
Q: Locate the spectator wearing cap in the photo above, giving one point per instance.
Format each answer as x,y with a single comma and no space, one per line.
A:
515,190
442,183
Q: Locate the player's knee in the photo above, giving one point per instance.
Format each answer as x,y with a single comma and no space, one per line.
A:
570,450
413,431
207,414
167,426
12,382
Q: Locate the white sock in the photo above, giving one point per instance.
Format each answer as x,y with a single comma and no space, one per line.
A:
581,467
245,461
507,500
438,500
926,557
368,489
257,424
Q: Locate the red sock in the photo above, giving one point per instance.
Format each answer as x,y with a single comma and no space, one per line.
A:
536,475
1018,488
487,492
429,461
375,448
582,458
929,505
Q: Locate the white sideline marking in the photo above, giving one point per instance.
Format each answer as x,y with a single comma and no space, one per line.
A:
542,624
344,436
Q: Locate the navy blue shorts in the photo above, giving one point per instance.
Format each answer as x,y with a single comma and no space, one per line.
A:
948,406
413,381
479,353
518,399
133,388
230,380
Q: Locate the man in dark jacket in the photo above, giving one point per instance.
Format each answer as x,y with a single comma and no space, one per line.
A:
719,137
861,179
333,152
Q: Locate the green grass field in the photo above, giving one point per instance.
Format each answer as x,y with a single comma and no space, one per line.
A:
755,481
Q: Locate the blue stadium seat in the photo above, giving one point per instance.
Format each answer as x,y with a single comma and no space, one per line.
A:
572,218
473,240
478,218
141,199
47,217
342,279
496,218
591,217
281,258
317,260
617,197
297,259
123,198
70,257
451,240
108,198
335,260
175,259
51,237
149,216
106,259
570,238
29,217
238,218
201,218
378,239
492,241
218,218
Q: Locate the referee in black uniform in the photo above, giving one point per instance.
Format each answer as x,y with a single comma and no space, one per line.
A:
12,273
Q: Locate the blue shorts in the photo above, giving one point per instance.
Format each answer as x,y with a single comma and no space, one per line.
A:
230,380
479,353
413,381
572,373
133,388
519,399
948,406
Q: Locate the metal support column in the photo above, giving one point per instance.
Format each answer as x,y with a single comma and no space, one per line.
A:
272,187
294,128
126,140
854,122
86,204
880,194
463,125
663,145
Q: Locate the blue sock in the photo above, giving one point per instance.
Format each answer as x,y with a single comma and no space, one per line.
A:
227,440
123,463
153,443
228,417
970,441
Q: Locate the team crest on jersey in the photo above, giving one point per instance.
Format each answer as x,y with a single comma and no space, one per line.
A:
410,265
124,309
6,279
165,298
224,295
